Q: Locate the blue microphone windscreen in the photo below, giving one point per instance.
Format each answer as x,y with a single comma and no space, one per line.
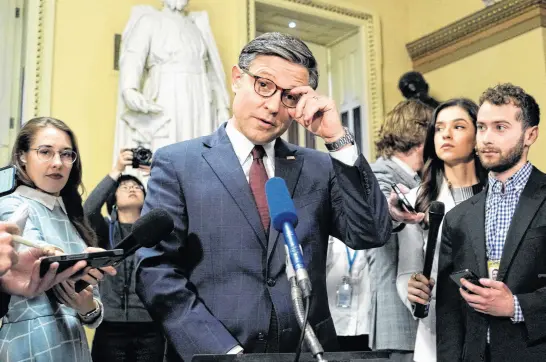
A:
281,206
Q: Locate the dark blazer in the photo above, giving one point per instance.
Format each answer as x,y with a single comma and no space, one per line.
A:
461,331
213,283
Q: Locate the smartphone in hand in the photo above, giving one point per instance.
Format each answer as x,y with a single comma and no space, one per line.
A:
402,200
96,259
468,275
7,180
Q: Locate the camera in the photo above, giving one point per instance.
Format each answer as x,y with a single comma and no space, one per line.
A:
141,156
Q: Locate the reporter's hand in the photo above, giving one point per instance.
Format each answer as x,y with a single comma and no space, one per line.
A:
24,278
93,275
8,255
494,298
399,213
110,270
125,159
145,170
81,302
420,288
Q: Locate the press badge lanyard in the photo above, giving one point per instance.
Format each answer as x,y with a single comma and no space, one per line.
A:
111,233
493,265
351,260
344,293
128,273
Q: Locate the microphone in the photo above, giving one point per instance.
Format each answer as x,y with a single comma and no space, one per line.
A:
435,216
284,219
146,232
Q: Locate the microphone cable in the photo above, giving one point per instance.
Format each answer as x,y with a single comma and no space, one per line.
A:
302,334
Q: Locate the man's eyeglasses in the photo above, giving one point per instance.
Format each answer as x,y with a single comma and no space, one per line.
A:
267,88
46,154
127,188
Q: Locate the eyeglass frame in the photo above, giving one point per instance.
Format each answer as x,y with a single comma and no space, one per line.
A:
283,90
125,188
37,149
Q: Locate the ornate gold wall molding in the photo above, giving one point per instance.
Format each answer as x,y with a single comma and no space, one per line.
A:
370,31
39,32
333,9
483,29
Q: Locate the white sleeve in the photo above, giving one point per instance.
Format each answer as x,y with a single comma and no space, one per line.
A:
347,155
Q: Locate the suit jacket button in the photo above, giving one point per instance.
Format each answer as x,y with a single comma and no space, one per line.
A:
261,336
271,282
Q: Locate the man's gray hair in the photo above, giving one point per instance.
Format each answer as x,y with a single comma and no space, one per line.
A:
284,46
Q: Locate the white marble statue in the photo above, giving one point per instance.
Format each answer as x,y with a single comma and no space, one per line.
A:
172,83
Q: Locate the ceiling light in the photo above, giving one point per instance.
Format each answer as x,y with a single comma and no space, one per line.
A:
292,24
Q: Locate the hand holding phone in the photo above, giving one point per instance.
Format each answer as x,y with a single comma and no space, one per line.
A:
468,275
402,200
96,260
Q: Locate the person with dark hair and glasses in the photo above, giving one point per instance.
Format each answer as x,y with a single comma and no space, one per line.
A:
128,332
49,326
500,235
452,174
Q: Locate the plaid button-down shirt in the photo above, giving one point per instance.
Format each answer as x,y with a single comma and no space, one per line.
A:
501,203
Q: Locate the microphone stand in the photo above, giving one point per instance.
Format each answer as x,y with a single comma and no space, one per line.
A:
297,302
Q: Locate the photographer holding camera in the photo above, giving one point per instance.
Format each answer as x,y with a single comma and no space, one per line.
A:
141,158
127,330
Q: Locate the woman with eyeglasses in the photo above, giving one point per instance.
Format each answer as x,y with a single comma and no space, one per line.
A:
127,332
49,327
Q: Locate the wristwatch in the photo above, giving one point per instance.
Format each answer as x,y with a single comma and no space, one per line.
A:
348,138
91,316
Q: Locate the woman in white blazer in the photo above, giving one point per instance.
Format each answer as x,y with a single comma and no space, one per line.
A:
452,174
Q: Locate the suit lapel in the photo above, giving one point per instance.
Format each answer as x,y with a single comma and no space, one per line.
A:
222,159
476,216
288,165
530,200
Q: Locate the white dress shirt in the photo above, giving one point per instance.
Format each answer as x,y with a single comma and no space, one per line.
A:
243,150
352,321
409,262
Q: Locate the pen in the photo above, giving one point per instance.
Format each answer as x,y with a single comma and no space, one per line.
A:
22,241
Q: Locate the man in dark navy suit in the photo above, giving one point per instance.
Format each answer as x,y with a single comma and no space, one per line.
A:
218,284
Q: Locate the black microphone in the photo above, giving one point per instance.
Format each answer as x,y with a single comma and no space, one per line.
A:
146,232
435,216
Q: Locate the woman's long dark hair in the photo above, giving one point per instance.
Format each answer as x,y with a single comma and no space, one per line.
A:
70,193
433,172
